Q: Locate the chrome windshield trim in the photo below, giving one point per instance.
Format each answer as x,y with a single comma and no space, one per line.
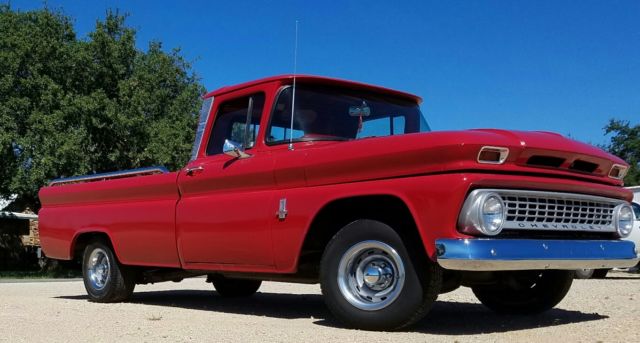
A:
523,254
203,117
110,175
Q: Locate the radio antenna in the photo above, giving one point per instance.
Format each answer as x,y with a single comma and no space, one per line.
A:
293,95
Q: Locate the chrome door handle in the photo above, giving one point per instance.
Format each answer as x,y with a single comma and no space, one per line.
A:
194,170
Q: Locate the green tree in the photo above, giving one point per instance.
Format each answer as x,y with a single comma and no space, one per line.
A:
625,143
72,106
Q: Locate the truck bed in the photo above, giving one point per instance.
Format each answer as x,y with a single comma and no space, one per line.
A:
137,213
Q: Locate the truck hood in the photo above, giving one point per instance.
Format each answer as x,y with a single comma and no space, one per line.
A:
531,152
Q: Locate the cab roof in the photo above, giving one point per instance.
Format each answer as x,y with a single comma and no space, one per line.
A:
307,79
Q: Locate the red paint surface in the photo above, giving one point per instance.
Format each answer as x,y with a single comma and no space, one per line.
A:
224,217
138,214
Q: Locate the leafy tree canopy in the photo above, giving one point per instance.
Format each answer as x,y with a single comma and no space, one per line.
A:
625,143
72,106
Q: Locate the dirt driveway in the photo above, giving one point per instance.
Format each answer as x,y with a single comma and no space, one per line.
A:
594,311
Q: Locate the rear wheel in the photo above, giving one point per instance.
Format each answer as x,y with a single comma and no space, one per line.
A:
525,292
369,280
105,279
583,273
233,288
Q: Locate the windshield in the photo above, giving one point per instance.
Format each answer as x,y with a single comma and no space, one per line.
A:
342,114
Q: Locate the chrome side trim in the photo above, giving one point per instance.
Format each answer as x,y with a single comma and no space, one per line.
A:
18,215
523,254
110,175
282,209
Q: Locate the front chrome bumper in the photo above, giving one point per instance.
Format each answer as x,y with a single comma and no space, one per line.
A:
521,254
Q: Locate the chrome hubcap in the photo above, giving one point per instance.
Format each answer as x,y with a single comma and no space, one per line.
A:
378,276
371,275
98,269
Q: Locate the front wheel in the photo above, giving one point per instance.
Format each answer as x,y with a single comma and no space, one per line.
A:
369,280
105,279
525,292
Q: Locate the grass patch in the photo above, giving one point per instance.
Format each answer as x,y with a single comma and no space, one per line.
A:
38,274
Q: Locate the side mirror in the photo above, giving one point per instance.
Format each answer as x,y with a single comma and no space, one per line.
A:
234,149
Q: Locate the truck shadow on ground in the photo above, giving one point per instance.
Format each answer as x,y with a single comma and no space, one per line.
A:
446,318
463,318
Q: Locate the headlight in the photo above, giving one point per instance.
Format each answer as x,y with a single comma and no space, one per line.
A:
623,219
483,212
492,214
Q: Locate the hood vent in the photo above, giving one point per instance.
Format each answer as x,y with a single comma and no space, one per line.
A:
578,166
545,161
583,166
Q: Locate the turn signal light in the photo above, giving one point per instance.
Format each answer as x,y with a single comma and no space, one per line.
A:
618,172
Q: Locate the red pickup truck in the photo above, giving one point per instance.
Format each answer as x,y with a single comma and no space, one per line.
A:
351,190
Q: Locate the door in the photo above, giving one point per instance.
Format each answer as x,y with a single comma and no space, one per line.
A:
222,217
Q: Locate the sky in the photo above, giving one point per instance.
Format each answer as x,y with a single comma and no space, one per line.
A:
562,66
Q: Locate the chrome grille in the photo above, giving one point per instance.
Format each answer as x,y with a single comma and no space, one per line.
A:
557,211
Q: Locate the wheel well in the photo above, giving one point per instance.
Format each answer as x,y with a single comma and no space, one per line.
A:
335,215
85,239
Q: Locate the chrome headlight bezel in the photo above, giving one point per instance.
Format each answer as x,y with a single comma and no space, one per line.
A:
472,217
623,218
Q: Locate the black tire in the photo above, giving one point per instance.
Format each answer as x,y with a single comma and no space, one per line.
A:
600,273
407,302
583,273
119,282
235,288
525,292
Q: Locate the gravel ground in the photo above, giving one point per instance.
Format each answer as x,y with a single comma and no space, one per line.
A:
594,311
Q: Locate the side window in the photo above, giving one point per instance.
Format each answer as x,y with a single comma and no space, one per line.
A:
237,120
